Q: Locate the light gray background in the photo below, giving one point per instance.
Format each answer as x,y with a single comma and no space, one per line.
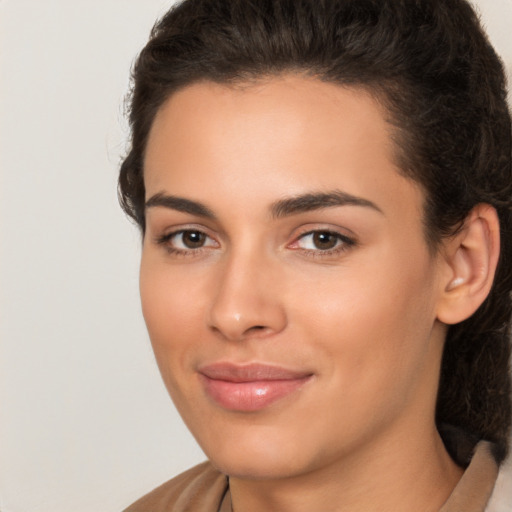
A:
86,425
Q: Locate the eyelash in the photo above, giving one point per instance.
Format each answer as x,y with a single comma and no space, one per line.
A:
165,240
343,243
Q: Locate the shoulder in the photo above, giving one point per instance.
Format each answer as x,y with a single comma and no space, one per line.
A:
200,489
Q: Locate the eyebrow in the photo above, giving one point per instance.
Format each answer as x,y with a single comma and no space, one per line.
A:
179,204
281,208
317,201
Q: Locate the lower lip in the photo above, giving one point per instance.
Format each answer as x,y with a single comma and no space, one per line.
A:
250,396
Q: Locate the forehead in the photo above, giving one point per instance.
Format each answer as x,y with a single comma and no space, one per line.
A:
293,134
291,102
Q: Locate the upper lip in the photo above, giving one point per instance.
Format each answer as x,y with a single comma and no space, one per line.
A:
253,372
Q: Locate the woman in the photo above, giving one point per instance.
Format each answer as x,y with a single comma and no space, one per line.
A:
324,194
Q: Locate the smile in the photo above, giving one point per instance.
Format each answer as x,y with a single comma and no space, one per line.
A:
248,388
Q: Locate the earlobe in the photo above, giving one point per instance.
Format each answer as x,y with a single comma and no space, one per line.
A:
471,258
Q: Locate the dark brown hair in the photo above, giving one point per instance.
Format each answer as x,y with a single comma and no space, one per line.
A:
431,65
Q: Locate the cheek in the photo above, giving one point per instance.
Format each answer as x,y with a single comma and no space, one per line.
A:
372,322
171,306
172,312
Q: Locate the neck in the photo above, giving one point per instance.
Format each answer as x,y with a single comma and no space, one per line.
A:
393,474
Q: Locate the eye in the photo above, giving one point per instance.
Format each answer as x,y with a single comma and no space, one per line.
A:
323,240
186,240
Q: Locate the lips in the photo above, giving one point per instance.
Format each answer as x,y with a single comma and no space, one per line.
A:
250,387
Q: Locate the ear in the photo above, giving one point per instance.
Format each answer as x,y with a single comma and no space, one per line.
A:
469,264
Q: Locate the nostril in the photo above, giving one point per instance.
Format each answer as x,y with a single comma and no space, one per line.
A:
254,329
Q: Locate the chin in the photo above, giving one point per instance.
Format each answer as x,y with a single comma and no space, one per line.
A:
259,453
247,467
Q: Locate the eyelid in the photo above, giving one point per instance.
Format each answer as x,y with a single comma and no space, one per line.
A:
347,241
182,232
165,238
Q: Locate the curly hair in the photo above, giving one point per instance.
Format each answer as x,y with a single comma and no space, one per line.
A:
431,65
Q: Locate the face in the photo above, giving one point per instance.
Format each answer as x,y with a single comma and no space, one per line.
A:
286,284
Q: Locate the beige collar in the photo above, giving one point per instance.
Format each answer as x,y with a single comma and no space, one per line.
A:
474,489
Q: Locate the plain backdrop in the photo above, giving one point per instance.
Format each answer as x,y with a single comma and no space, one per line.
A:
85,423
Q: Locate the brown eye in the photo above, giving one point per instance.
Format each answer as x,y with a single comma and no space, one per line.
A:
187,240
193,239
324,240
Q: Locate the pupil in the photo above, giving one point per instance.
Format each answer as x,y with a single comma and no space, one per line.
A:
193,239
324,240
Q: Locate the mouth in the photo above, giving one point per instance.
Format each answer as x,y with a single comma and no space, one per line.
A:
251,387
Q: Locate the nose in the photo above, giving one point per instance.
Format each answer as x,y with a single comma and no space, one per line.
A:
247,300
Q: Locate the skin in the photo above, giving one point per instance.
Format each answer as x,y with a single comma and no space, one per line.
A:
361,318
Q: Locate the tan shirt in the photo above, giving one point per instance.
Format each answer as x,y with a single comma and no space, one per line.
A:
204,489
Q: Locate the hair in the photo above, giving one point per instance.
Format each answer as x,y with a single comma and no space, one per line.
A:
432,67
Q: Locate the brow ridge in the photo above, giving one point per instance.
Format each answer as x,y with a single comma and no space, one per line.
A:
281,208
179,204
317,201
